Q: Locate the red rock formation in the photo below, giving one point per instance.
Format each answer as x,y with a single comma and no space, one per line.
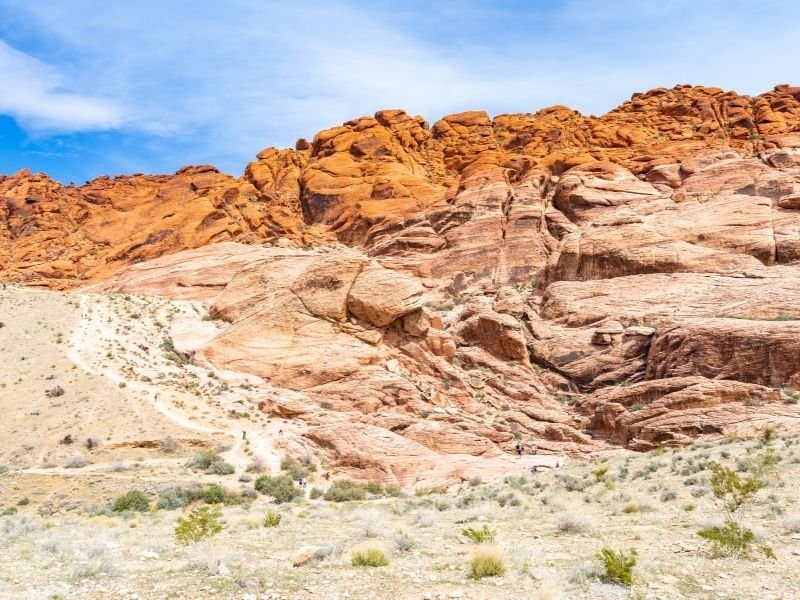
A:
514,266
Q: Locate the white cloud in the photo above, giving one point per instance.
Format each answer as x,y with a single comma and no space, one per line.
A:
218,83
32,95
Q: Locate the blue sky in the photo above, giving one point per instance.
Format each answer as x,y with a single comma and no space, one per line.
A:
98,87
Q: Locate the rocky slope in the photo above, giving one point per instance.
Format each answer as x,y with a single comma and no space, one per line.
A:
630,278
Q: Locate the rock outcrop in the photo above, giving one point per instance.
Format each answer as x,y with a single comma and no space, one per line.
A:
630,279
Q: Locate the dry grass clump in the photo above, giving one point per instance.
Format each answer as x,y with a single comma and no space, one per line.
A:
487,561
574,523
369,556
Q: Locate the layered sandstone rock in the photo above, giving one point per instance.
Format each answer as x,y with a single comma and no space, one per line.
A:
627,279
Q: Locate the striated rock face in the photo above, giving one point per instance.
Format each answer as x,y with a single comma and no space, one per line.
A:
631,279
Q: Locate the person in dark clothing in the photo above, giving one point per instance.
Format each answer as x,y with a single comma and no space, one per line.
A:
244,435
520,449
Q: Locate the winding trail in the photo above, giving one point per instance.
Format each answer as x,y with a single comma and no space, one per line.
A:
81,343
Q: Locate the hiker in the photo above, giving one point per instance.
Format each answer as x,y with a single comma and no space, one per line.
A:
244,435
520,449
534,469
534,450
327,476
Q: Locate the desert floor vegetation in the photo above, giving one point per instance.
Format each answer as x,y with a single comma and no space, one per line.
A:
568,536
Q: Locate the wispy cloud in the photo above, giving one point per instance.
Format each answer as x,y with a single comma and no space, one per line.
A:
32,94
217,82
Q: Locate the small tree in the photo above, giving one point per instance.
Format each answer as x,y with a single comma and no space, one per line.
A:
199,524
736,493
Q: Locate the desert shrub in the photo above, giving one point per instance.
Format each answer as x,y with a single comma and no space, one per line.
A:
479,535
791,524
214,494
486,562
403,542
23,501
256,466
575,523
466,501
272,518
280,488
731,539
344,490
618,566
316,493
600,472
736,492
132,500
369,556
294,468
170,501
75,462
3,469
631,507
668,495
168,445
573,484
199,524
203,459
220,468
768,434
9,512
509,499
698,491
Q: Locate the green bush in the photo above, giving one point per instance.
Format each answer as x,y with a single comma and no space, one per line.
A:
294,468
736,492
214,494
281,488
133,500
23,501
369,556
272,518
486,562
731,539
199,524
618,566
203,459
316,493
344,490
170,501
8,512
221,468
479,535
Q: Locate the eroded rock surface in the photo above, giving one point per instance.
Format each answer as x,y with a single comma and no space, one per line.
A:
629,279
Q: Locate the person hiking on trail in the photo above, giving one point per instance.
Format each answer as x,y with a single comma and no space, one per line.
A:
534,451
244,435
534,469
519,450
